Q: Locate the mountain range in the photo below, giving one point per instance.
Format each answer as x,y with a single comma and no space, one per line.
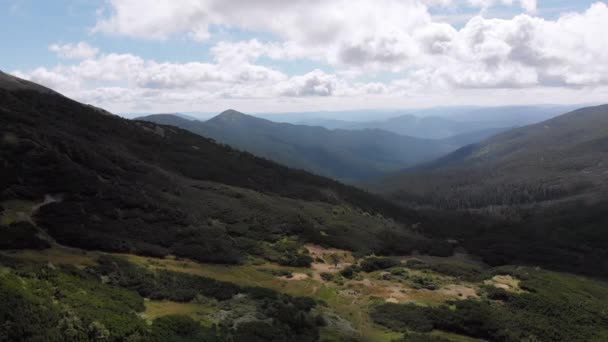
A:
124,179
128,230
542,188
437,123
346,155
562,157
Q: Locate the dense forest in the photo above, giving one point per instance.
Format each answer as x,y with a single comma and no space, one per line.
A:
346,155
532,195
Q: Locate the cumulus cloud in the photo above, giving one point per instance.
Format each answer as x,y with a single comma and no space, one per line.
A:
356,42
393,35
526,51
50,78
314,83
79,50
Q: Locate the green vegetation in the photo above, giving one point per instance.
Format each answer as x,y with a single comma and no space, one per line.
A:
372,264
458,270
214,244
533,195
555,307
40,303
258,300
104,303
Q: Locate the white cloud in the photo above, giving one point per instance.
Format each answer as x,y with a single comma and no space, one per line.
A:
356,42
534,51
50,78
528,5
79,50
314,83
393,35
156,20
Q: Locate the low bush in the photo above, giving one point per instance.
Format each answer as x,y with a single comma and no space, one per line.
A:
378,263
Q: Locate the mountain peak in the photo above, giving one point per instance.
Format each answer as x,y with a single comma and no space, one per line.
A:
232,116
231,113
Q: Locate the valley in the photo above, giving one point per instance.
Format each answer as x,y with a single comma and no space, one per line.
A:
304,171
345,155
148,232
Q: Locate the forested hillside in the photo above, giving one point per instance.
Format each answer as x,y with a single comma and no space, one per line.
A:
97,181
346,155
555,159
539,190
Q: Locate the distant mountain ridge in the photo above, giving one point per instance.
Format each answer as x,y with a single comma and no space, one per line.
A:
439,123
348,155
563,156
542,188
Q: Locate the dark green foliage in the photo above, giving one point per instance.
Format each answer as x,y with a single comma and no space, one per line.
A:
568,236
296,260
67,304
372,264
291,315
556,308
43,304
350,271
26,317
458,270
494,293
403,317
414,337
288,252
538,193
327,276
168,285
19,235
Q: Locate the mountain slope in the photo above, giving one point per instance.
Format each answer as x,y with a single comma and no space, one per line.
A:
542,191
341,154
554,159
74,175
433,127
98,181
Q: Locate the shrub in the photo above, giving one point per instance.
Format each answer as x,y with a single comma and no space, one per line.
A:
350,271
378,263
327,276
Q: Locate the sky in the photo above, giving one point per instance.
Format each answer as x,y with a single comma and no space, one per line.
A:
140,56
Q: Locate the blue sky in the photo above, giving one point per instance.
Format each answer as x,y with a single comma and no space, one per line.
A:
268,55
